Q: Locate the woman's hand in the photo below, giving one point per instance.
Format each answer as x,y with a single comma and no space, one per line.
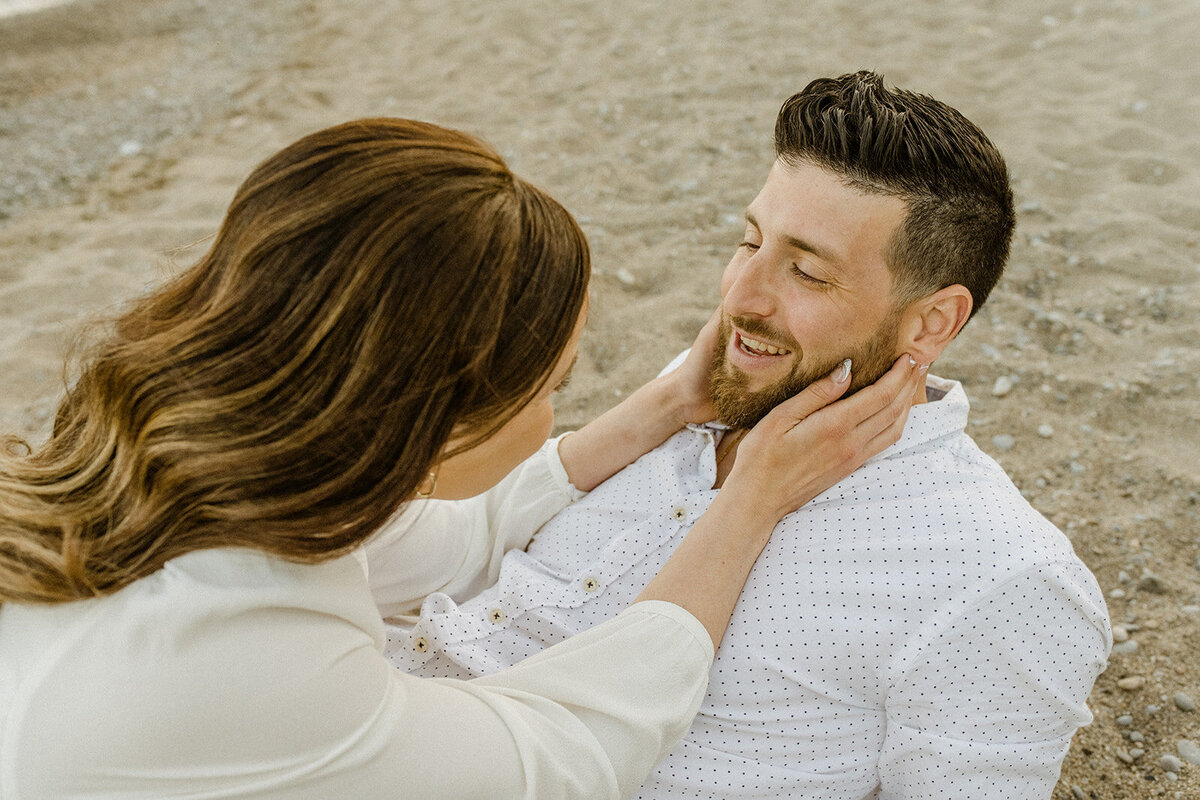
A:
805,445
811,441
688,384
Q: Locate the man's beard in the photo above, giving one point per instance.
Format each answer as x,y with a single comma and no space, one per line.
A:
739,407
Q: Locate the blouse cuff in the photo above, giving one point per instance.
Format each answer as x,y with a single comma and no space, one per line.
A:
558,472
678,614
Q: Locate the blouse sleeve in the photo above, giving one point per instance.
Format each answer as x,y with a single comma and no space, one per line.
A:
235,674
455,546
587,718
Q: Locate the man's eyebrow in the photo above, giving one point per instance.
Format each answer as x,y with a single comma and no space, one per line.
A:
801,244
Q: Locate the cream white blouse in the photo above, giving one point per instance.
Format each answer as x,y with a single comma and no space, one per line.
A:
231,673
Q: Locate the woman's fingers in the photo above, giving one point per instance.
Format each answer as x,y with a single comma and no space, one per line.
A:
884,405
884,429
813,398
810,442
706,340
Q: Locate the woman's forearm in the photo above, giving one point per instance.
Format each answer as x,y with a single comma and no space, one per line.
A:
706,573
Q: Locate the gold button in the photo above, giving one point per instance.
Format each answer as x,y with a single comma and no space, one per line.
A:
421,644
590,584
496,615
680,513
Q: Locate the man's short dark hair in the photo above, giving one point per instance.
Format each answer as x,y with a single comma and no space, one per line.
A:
895,142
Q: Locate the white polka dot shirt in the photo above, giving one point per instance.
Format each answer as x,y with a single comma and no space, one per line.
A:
916,631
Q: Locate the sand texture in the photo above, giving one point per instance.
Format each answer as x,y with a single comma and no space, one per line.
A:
125,127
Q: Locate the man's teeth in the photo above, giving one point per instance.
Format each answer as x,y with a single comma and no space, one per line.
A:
763,347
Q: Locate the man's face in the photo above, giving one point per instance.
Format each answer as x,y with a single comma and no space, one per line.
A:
808,287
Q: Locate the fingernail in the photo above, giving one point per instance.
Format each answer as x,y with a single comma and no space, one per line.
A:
842,374
911,362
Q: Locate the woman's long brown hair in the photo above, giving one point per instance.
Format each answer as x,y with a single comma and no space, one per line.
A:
372,287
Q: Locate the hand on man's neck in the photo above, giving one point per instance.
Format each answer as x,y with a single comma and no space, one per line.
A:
726,451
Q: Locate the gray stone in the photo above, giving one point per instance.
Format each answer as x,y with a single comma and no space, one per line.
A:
1123,756
1045,431
1003,442
1152,583
1152,710
1184,701
1136,753
1126,647
1189,751
1136,736
1125,720
1002,386
1120,633
1077,792
1170,763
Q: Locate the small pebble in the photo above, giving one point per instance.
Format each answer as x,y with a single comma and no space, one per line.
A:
1136,752
1125,757
1136,736
1002,386
130,148
1189,751
1120,634
1152,710
1123,577
626,277
1078,793
1003,442
1152,583
1184,701
1125,720
1171,763
1132,683
1045,431
1125,648
1117,594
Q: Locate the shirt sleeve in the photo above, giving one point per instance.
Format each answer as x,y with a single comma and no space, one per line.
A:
587,718
455,546
988,706
275,687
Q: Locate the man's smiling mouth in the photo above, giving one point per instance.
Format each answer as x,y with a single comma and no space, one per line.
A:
757,348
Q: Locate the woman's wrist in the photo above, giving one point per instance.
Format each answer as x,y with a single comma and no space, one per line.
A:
759,496
667,403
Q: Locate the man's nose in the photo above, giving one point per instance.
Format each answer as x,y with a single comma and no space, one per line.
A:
750,292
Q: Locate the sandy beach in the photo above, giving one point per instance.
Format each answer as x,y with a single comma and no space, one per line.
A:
126,126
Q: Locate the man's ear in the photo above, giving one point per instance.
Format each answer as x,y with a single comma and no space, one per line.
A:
930,323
